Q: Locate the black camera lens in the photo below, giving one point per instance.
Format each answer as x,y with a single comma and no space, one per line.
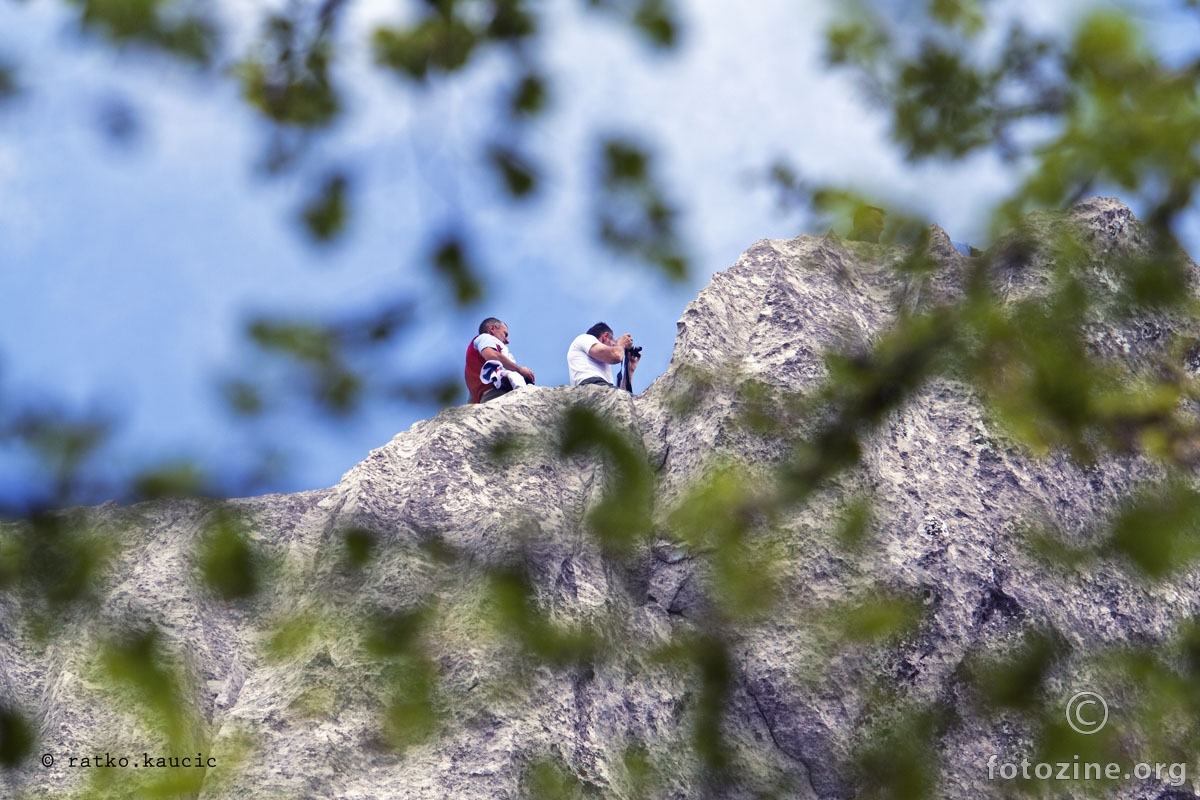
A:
637,351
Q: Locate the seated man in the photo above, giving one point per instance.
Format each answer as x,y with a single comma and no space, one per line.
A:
491,370
591,356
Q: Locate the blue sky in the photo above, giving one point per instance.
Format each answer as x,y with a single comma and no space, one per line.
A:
127,267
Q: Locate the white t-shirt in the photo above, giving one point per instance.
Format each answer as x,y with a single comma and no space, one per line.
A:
485,340
581,365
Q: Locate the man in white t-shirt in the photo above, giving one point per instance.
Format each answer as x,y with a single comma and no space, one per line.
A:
591,356
491,370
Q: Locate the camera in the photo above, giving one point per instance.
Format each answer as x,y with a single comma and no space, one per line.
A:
635,352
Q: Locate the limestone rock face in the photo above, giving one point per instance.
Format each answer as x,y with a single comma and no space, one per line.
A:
312,720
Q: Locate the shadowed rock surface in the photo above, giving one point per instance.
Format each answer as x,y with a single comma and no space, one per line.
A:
950,497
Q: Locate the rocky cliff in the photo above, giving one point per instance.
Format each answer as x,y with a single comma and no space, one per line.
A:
483,609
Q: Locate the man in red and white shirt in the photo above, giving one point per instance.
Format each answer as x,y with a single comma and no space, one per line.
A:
491,370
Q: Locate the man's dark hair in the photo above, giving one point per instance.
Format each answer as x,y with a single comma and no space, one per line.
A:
487,323
598,330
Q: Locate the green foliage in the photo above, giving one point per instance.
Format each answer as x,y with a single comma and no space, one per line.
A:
622,519
964,14
360,546
291,636
229,563
450,261
855,526
549,779
439,43
8,81
517,174
1159,529
64,444
138,665
173,479
1016,680
16,738
167,25
942,104
518,617
633,215
331,360
643,778
1117,116
881,618
727,517
530,97
394,638
898,759
288,79
326,213
54,560
863,389
654,19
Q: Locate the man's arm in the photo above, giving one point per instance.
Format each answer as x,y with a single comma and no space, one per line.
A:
492,354
611,353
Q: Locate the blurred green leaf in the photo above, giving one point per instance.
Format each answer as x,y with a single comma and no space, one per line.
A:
1015,680
8,81
451,264
549,779
644,778
879,618
656,20
727,516
437,44
530,97
1159,529
966,15
518,175
325,214
138,661
165,25
633,215
898,758
1107,45
516,615
54,557
62,442
288,80
243,397
229,563
290,636
360,546
716,674
855,526
301,341
857,40
622,518
411,715
178,479
942,105
511,21
16,738
395,633
624,163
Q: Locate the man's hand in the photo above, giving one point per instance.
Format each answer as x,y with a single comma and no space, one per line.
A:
625,342
526,373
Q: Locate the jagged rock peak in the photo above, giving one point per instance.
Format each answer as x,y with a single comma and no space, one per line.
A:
481,494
